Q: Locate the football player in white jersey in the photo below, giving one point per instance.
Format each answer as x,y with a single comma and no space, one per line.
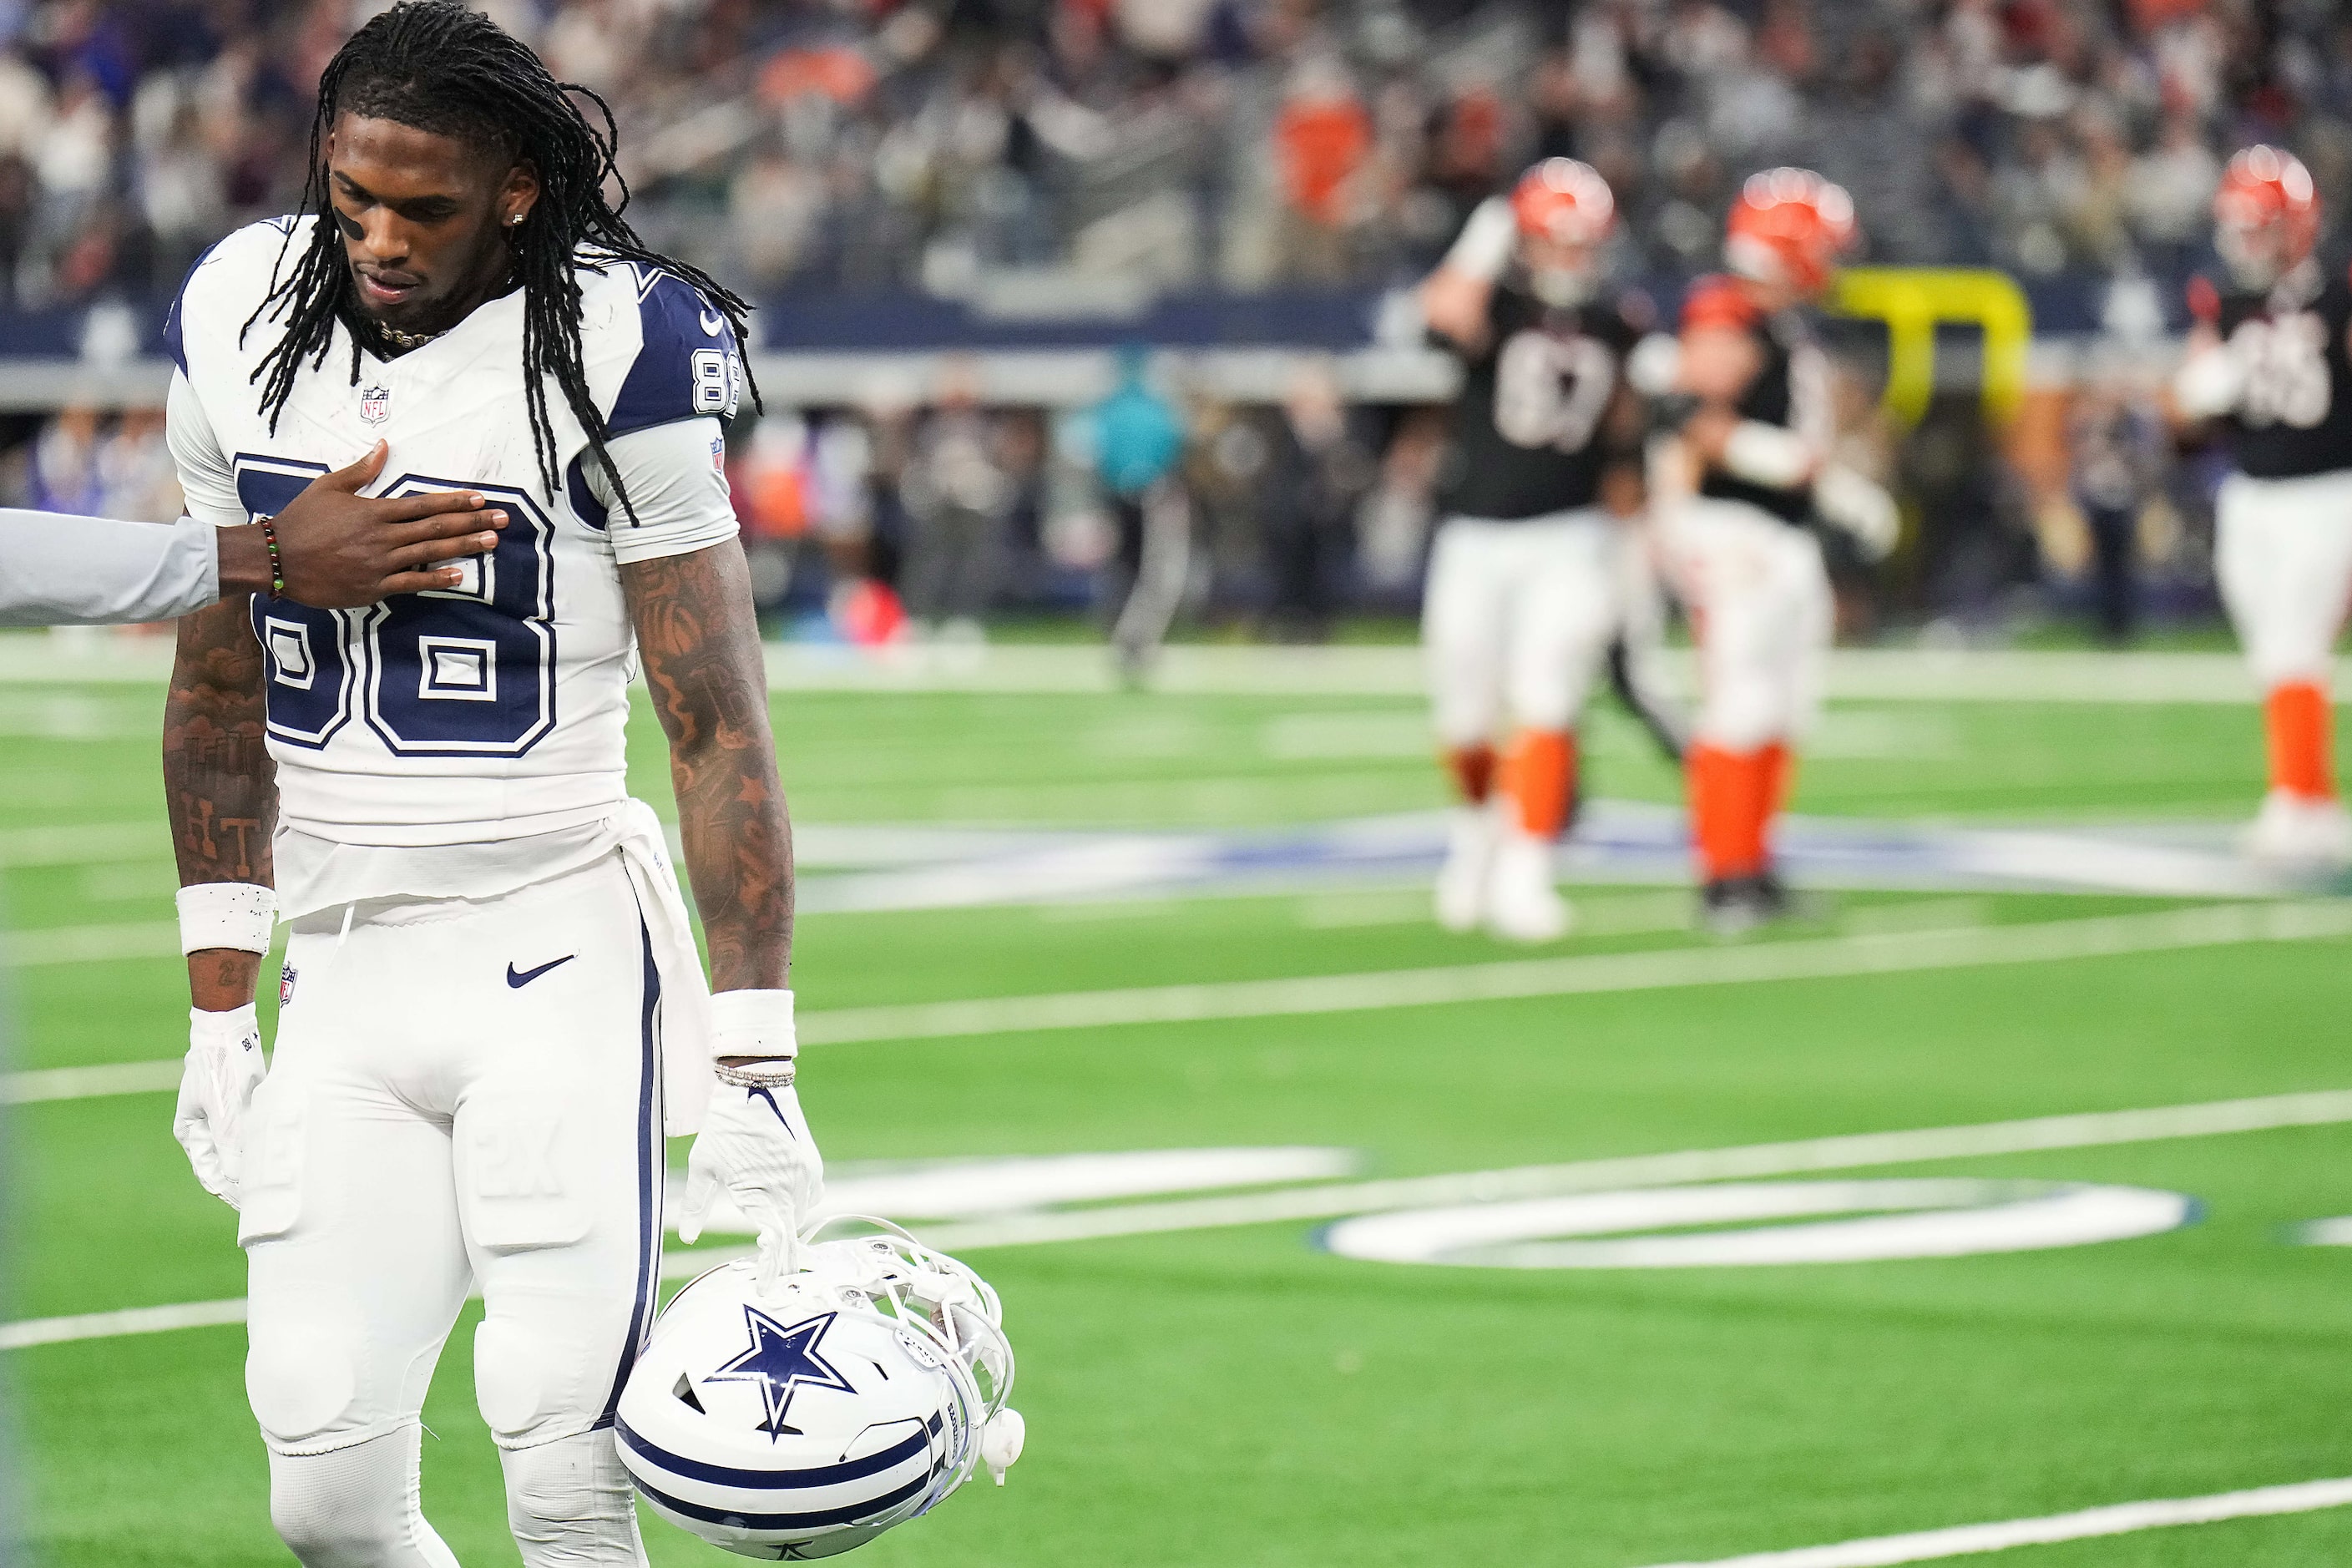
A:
491,1000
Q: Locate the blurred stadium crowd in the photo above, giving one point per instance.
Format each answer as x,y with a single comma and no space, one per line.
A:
855,142
800,148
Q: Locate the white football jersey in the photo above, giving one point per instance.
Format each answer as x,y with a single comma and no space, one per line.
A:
494,710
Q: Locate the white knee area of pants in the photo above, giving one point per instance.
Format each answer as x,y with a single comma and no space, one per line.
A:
514,1380
355,1507
570,1505
301,1377
2283,556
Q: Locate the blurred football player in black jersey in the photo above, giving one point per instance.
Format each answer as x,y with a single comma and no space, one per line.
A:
1738,485
2267,361
1544,477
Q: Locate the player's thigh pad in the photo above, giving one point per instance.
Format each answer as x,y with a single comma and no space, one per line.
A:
2283,553
355,1263
1564,609
1464,627
559,1157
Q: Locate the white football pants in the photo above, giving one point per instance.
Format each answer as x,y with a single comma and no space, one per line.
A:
1758,598
463,1093
1516,620
2283,551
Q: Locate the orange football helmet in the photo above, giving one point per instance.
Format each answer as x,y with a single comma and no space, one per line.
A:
1565,202
1789,227
2265,216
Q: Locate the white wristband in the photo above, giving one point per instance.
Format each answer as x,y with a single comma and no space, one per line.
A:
1768,455
755,1024
236,915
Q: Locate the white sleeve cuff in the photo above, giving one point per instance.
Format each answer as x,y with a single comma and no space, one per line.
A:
1770,455
676,475
753,1024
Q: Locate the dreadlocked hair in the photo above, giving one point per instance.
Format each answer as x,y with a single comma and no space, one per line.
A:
437,66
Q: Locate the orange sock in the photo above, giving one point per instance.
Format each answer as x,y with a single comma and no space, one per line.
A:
1780,769
1473,769
2299,722
1729,793
1541,772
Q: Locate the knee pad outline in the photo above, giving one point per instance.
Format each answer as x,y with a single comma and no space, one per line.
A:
301,1377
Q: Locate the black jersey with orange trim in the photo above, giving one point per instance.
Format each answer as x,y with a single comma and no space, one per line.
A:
1791,388
2294,416
1528,435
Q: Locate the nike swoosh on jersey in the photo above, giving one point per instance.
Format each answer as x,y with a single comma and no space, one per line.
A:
712,325
519,981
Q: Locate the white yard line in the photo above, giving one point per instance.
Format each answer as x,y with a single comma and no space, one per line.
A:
1884,953
90,1082
1874,952
2122,1519
114,1325
90,944
2089,1130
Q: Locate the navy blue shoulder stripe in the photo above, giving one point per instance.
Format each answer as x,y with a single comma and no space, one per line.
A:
784,1520
684,368
771,1481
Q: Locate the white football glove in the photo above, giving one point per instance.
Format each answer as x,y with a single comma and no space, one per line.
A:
1860,505
755,1143
224,1068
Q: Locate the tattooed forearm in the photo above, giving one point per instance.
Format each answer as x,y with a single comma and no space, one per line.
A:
220,788
700,641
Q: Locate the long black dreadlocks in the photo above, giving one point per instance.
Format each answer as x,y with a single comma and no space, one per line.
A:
437,66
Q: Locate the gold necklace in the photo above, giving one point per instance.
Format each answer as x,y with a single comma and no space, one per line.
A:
405,341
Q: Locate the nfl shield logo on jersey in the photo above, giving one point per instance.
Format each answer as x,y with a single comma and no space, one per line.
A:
375,405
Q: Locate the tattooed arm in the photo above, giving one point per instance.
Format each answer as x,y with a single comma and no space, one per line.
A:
220,786
700,642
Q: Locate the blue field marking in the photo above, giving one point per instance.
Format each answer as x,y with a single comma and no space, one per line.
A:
1620,842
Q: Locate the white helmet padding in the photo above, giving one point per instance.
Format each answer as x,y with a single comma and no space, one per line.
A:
853,1396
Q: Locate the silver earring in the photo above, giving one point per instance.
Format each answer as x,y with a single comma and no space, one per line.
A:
515,220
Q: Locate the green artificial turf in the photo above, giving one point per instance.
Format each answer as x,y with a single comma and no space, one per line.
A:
1237,1396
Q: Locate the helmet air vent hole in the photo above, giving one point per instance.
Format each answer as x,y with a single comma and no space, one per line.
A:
684,1394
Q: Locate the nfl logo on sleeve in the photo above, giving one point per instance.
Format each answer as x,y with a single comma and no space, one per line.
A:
375,405
286,978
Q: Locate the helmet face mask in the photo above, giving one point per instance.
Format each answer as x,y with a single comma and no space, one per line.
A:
1560,273
856,1394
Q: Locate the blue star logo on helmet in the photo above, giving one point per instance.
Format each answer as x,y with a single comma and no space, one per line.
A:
782,1360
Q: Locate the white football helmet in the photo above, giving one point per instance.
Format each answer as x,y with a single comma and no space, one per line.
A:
853,1395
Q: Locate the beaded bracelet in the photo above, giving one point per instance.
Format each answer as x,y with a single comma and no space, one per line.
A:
276,566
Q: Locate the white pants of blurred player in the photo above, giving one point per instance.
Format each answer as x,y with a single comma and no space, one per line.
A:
2283,551
1759,601
464,1095
1515,626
